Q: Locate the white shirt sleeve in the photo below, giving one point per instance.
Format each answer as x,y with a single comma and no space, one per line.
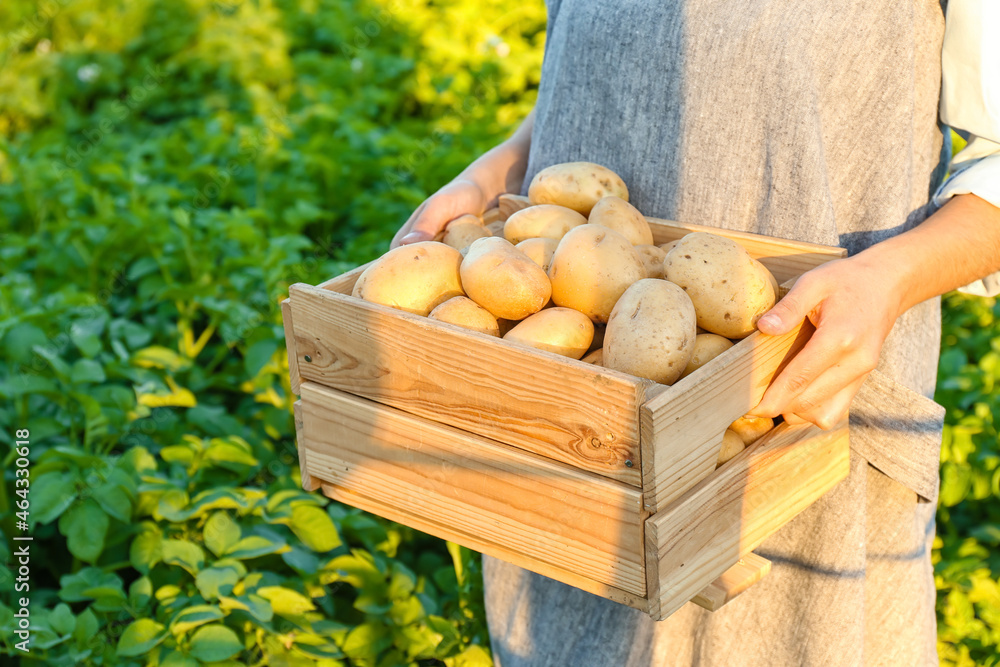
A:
970,103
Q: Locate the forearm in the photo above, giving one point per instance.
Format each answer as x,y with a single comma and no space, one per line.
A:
502,168
955,246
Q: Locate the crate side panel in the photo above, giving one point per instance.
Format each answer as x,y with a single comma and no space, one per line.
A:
562,409
730,513
682,427
467,485
293,358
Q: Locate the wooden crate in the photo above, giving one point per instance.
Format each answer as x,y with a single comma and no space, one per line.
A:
592,477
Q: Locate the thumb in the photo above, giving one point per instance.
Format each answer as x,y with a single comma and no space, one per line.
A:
788,313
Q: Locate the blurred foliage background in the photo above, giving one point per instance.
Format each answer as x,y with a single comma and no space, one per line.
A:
167,169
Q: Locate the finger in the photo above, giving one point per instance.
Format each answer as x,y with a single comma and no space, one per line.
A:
833,410
804,297
793,419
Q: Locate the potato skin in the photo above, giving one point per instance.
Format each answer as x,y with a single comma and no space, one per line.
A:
504,280
730,292
651,331
591,268
751,429
540,250
617,214
561,330
462,232
464,312
732,445
542,221
707,346
576,185
415,278
652,258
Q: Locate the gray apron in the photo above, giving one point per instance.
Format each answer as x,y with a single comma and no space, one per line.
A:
812,120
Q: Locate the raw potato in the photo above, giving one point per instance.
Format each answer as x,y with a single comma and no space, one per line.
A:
732,444
464,312
729,290
652,258
504,280
539,250
576,185
707,346
617,214
462,232
415,278
561,330
591,268
668,246
751,429
545,221
771,278
651,331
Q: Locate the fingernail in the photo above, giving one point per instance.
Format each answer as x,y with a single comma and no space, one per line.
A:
769,322
413,237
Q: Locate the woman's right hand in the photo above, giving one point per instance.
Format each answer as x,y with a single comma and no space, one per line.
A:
459,197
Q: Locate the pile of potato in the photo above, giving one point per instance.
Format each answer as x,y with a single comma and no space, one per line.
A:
574,270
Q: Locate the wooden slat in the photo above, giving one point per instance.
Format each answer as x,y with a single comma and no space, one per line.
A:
309,483
293,360
483,494
561,408
730,513
748,571
682,426
784,258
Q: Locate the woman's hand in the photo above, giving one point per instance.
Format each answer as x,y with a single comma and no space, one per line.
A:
853,305
458,198
477,188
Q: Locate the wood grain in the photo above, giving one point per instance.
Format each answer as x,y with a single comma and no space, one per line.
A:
786,259
745,573
293,360
557,407
477,492
309,483
682,426
725,516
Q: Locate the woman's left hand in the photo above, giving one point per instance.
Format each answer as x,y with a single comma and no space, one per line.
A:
853,304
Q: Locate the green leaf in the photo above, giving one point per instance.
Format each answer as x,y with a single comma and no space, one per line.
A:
194,616
258,354
87,371
230,453
285,601
315,528
366,641
221,532
85,526
114,500
472,656
185,554
75,587
215,642
254,546
19,340
317,647
140,637
215,581
51,495
62,620
140,592
253,604
146,551
86,627
172,506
